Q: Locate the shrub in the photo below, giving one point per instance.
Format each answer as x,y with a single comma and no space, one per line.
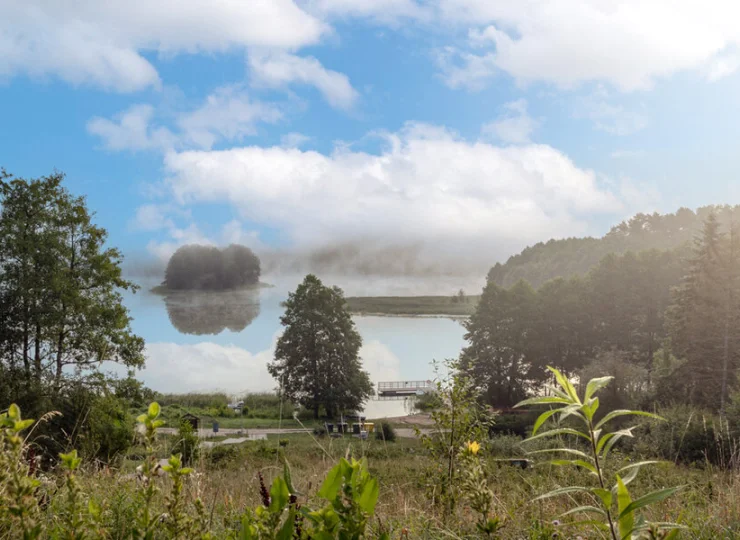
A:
427,402
219,455
187,443
385,432
687,436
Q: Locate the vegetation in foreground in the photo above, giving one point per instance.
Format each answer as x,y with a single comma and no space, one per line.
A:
297,487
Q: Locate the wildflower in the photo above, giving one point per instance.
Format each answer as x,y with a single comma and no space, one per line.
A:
472,447
556,523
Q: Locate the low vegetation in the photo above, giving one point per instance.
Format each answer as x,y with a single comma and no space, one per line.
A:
451,306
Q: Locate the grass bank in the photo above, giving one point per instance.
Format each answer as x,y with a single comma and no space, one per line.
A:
441,306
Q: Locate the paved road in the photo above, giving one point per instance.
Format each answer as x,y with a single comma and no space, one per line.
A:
407,433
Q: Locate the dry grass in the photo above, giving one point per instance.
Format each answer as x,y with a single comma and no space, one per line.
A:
709,506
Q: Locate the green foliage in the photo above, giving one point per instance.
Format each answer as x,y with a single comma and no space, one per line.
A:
19,509
614,509
577,256
703,318
385,432
460,419
427,402
60,300
317,360
187,443
196,267
474,486
108,429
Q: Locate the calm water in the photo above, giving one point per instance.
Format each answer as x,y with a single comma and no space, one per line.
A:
223,341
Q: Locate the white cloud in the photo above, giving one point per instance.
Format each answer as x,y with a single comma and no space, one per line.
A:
131,130
514,126
231,232
427,187
383,11
294,140
151,217
628,44
610,117
208,366
227,114
101,43
277,69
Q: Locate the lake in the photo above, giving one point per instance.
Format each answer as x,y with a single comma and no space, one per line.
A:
198,342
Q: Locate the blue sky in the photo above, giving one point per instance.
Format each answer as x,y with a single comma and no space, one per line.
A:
454,126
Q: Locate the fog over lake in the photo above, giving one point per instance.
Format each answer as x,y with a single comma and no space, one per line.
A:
206,341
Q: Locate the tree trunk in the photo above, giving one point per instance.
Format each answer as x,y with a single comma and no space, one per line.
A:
315,412
60,355
37,352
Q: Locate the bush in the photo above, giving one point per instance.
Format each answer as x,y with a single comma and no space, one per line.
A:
187,443
506,446
688,435
222,454
385,432
427,402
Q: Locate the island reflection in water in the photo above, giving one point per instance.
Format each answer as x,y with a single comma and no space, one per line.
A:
212,312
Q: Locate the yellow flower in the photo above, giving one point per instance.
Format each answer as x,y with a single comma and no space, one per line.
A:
472,447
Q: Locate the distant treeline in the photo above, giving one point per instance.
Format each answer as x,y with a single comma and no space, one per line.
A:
196,267
662,322
576,256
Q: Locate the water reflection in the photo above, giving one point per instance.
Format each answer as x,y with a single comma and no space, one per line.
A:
200,312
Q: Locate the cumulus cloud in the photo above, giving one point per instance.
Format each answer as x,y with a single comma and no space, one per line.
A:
629,44
514,126
208,366
277,69
227,114
294,140
101,43
427,187
132,130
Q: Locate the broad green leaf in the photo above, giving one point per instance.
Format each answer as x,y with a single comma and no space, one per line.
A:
565,384
638,465
558,431
288,527
626,518
279,495
605,495
601,441
587,509
573,410
562,491
615,439
332,483
287,477
14,412
369,496
577,463
563,450
153,410
542,419
650,498
544,400
20,425
594,385
247,533
624,412
590,408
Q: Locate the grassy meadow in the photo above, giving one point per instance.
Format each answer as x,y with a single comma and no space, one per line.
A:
227,481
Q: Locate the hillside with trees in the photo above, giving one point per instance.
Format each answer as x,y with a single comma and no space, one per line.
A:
576,256
660,321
